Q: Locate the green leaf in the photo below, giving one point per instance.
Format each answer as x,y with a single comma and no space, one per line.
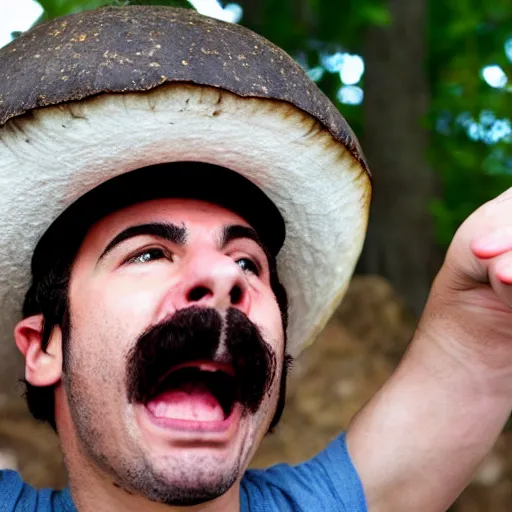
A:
376,14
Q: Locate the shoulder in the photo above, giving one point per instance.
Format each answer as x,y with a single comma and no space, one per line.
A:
13,490
11,486
327,481
16,495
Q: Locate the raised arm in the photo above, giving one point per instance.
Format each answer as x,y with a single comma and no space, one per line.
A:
421,438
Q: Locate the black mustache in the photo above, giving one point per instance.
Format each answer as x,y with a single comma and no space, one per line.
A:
195,334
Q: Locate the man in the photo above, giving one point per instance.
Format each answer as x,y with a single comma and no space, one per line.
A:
195,207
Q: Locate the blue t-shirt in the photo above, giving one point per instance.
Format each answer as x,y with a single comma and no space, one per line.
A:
328,481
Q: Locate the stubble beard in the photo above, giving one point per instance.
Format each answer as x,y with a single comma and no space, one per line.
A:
182,480
172,480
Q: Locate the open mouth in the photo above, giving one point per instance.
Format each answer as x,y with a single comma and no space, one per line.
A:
195,392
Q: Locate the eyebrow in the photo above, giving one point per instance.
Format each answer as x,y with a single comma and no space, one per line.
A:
237,231
174,234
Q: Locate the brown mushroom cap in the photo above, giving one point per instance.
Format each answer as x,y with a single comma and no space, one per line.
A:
126,49
94,95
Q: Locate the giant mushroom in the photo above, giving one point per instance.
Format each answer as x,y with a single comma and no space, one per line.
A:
92,96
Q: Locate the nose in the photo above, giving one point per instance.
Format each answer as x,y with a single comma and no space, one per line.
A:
215,281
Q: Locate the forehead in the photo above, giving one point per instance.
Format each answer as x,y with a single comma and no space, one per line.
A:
193,214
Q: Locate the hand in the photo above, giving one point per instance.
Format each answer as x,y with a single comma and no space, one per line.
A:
471,300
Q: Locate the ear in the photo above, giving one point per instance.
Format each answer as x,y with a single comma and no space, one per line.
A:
42,368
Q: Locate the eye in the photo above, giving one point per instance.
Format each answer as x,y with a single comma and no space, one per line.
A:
148,255
247,265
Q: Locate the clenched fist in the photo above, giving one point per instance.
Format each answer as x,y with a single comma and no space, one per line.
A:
470,307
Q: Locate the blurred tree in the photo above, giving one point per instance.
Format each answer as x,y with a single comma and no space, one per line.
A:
469,119
399,244
437,135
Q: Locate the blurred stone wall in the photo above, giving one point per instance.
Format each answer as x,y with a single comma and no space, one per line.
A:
351,359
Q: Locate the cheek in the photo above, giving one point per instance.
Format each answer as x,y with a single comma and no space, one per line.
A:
265,414
271,322
96,345
130,297
105,323
114,305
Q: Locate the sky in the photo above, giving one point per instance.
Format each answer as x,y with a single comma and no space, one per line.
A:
17,15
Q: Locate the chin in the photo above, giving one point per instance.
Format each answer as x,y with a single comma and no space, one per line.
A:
183,479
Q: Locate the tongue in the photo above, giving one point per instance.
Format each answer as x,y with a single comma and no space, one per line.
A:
191,401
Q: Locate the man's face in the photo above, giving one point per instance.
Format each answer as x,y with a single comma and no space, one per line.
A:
152,286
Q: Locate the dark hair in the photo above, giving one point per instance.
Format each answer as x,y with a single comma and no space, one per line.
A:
51,269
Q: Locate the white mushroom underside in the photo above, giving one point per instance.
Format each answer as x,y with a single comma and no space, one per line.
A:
51,157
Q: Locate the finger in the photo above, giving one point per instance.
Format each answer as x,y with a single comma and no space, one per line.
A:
492,244
502,268
500,277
